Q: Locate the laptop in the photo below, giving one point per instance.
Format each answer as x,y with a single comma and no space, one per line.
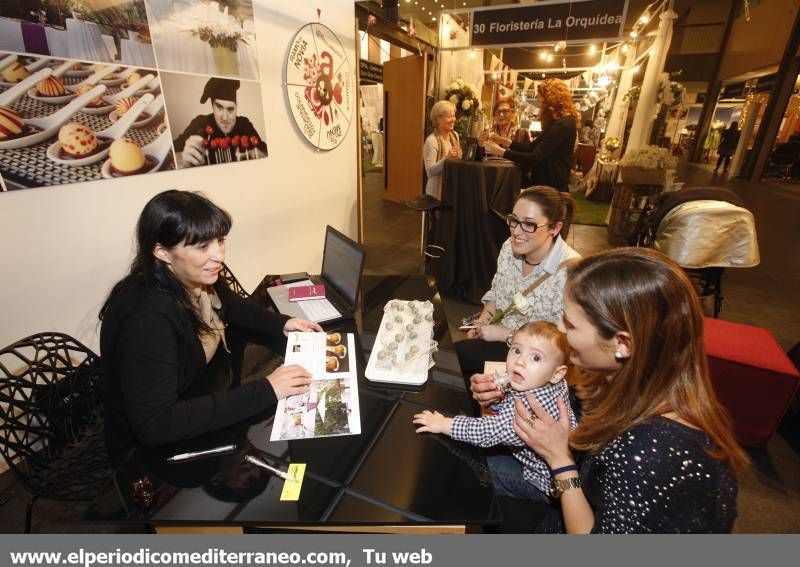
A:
342,268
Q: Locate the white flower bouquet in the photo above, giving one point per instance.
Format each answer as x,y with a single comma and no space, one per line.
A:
650,157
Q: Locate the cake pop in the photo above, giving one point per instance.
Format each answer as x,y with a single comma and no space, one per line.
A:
50,86
77,140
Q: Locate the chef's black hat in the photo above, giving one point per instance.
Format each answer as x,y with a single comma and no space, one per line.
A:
222,89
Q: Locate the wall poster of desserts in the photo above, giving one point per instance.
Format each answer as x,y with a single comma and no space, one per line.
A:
88,95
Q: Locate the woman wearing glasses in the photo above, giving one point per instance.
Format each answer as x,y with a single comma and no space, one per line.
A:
532,262
548,159
505,120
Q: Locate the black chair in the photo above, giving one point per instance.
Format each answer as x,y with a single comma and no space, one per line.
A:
428,205
230,280
51,419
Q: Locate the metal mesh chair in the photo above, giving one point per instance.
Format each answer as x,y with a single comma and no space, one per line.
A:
230,280
51,418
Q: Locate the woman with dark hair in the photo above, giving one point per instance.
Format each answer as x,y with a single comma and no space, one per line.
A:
548,159
658,449
164,335
532,263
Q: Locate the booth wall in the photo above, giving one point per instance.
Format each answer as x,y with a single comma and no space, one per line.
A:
64,247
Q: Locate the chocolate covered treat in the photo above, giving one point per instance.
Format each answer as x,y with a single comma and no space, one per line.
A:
50,86
15,73
77,140
11,124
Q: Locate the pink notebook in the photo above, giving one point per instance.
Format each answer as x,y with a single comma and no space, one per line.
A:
301,293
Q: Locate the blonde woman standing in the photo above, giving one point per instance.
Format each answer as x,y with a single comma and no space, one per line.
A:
441,144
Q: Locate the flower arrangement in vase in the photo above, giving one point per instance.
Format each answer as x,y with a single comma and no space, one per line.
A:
464,97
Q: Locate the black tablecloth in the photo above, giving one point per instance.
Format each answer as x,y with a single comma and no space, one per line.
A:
473,230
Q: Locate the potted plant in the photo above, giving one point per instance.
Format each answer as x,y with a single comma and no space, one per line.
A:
647,165
468,105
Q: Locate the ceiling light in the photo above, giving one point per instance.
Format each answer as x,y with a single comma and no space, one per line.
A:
644,19
636,69
434,19
542,55
549,57
624,48
634,34
592,49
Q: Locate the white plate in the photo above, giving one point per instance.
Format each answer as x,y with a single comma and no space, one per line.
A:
114,81
52,153
97,110
105,171
34,94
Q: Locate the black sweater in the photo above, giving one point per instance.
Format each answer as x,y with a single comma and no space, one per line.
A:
152,358
549,157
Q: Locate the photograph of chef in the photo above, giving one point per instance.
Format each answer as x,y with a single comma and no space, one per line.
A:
195,144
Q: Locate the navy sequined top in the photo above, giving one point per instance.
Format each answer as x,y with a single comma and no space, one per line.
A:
657,478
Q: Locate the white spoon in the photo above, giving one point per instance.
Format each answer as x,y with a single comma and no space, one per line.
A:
129,90
152,110
57,72
151,87
19,89
158,149
49,125
7,61
38,64
113,132
84,71
95,78
32,68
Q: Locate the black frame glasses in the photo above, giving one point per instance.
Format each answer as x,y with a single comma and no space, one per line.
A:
513,222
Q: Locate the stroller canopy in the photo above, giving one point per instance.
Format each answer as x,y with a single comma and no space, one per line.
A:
708,233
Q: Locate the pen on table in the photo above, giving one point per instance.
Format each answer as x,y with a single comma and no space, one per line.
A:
197,454
259,463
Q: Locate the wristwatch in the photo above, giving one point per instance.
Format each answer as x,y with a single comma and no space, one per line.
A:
559,486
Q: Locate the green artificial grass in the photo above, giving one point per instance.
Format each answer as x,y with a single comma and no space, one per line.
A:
589,212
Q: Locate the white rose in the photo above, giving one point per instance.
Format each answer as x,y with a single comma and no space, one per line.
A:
460,83
521,303
453,86
454,99
466,104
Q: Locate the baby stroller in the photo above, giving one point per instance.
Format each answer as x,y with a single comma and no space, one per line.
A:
705,230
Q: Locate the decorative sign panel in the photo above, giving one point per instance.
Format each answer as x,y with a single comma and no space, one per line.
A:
549,22
319,86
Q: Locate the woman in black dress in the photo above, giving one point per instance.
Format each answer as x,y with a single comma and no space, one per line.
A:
654,451
548,159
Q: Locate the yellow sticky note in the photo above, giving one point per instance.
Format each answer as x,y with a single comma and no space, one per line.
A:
291,488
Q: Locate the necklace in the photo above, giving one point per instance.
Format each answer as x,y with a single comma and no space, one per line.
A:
525,259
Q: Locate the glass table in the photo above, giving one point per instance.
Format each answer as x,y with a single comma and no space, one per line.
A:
386,479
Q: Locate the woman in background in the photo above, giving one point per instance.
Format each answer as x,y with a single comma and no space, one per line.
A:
548,159
441,144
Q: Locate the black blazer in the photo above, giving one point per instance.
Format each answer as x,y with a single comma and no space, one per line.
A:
548,159
151,358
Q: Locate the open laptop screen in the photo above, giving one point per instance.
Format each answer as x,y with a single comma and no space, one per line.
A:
342,264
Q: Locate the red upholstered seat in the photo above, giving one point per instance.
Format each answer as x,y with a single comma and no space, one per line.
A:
752,377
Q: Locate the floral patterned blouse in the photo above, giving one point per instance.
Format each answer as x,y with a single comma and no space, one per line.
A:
547,300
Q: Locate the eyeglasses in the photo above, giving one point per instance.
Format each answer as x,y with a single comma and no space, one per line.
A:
526,226
502,111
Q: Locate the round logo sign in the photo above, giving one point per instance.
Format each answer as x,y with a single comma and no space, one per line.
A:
319,86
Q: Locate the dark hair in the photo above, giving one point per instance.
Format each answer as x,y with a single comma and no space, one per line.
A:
556,206
734,125
646,294
171,218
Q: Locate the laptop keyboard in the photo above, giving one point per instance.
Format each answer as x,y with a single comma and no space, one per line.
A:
319,309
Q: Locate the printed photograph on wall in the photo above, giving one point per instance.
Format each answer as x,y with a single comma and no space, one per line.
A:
65,121
206,37
319,86
214,120
90,30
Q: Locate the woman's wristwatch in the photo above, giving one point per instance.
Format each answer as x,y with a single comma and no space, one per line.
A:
561,485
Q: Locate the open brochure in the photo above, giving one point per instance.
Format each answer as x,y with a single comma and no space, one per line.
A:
330,407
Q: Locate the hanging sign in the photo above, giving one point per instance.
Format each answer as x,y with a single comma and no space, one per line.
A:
549,22
370,72
319,86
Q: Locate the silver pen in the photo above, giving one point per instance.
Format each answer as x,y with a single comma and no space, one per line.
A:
259,463
197,454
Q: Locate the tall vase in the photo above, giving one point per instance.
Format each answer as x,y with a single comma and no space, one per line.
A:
226,61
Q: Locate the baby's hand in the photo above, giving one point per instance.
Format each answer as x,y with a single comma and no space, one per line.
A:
433,422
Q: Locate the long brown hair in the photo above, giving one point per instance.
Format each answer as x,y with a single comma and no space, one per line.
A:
644,293
557,102
556,206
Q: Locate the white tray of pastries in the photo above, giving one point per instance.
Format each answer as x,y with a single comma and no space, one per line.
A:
404,346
